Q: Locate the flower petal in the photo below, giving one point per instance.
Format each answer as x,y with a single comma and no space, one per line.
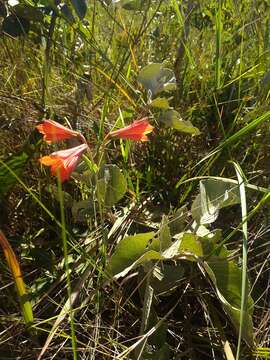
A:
53,131
136,131
63,162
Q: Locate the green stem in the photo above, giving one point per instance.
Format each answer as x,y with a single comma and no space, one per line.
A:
65,251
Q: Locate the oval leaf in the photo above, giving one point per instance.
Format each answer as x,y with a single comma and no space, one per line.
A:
128,251
156,78
160,103
171,118
214,195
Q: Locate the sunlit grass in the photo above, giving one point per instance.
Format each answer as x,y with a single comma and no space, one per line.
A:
86,73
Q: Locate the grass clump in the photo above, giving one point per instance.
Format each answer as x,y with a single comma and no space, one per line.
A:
149,249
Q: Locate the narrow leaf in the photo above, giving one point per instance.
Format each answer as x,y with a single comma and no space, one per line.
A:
17,275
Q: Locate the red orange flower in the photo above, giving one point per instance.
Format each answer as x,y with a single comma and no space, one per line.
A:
53,131
63,162
137,131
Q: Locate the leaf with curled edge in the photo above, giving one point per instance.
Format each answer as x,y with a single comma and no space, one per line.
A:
172,118
156,78
214,195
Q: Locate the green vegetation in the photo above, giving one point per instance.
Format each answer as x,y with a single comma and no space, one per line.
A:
148,239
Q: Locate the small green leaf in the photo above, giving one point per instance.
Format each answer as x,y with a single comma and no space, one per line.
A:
191,246
214,195
171,118
112,185
127,252
155,78
160,103
80,7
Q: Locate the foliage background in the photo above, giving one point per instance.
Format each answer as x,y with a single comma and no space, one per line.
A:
78,62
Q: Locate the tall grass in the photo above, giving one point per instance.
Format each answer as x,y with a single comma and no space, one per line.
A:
85,74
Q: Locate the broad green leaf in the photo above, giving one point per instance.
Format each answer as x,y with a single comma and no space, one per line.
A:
160,103
227,278
80,7
173,251
156,78
16,163
172,118
195,245
144,259
112,185
191,246
15,26
128,251
214,195
14,267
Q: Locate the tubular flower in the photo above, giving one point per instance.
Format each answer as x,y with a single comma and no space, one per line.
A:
53,131
63,162
137,131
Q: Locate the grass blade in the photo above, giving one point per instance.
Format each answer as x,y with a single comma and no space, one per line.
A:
218,44
17,275
242,190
